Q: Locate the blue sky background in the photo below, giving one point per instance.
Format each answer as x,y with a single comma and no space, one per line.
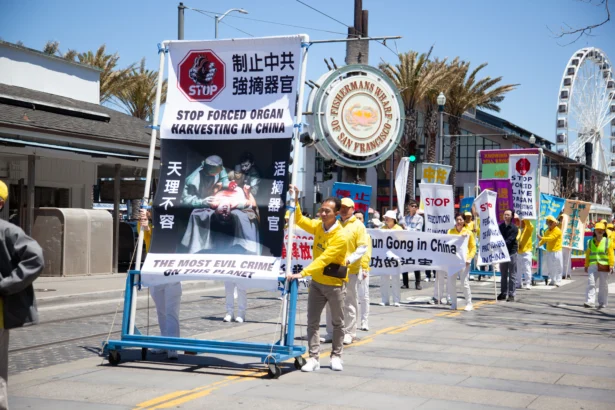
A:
511,36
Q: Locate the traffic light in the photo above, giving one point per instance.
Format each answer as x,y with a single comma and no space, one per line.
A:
412,151
327,172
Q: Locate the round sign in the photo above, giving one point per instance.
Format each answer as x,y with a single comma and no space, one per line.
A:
358,116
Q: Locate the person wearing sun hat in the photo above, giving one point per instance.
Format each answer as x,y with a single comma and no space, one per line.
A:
21,262
598,263
553,256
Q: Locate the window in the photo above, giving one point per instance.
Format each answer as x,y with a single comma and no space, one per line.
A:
319,162
467,149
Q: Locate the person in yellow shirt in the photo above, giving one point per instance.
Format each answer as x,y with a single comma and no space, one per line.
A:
357,247
598,263
390,281
167,297
610,231
330,251
553,255
364,279
470,225
524,254
460,229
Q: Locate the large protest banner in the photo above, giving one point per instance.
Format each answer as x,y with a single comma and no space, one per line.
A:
491,245
550,206
401,184
435,173
394,252
573,224
225,149
522,172
439,205
504,198
494,162
301,252
360,194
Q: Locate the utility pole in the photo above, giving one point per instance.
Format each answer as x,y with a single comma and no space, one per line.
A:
180,21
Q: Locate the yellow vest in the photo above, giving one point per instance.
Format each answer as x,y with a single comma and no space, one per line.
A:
553,239
329,247
525,237
357,236
601,254
471,241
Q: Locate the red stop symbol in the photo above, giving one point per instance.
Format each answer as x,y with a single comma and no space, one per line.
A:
523,166
201,75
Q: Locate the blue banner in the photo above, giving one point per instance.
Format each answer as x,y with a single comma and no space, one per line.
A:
360,194
549,206
466,205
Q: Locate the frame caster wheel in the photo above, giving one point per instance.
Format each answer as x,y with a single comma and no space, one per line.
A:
144,353
546,282
274,371
114,357
300,362
480,278
533,282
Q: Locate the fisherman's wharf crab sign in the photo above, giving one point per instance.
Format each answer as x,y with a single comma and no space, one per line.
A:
358,116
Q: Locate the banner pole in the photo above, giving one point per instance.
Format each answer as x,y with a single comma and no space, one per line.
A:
291,219
539,172
162,50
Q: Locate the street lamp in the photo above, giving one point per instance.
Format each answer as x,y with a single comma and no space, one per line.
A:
532,140
219,19
441,100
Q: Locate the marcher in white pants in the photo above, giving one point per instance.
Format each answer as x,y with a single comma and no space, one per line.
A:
566,263
524,254
388,281
167,299
364,299
460,229
553,255
242,302
599,261
439,287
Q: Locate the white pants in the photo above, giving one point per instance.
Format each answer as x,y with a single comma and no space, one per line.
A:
524,269
351,307
386,283
553,263
364,298
167,299
566,254
603,289
242,300
452,287
439,287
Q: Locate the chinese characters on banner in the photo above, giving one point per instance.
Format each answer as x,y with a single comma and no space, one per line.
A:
549,206
394,252
439,207
225,148
491,245
522,172
466,205
504,199
435,173
573,224
494,163
360,194
301,252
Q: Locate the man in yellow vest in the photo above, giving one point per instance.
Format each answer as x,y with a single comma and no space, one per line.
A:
553,255
329,278
598,263
357,246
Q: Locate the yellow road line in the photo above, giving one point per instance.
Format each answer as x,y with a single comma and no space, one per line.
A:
183,396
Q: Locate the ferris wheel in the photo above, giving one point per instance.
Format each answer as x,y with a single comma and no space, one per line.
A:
586,109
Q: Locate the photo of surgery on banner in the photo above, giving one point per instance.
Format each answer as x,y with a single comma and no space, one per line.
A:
221,197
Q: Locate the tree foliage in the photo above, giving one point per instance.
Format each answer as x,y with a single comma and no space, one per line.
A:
139,97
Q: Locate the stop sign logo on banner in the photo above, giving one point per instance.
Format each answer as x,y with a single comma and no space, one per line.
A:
201,75
439,207
522,174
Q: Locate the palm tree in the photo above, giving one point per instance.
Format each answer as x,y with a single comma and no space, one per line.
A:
51,48
112,79
139,97
467,93
414,76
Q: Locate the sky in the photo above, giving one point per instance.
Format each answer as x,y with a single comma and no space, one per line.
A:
512,36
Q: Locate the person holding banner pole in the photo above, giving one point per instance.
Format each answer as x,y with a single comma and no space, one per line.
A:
508,270
329,277
553,255
413,222
167,297
599,261
388,282
358,242
460,229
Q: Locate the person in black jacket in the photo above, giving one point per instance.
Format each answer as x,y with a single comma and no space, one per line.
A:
509,269
21,261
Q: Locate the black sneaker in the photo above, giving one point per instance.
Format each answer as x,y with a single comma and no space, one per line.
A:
405,287
510,299
501,296
418,286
